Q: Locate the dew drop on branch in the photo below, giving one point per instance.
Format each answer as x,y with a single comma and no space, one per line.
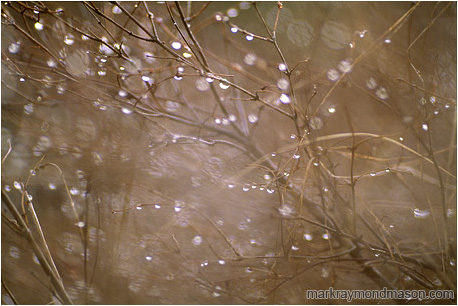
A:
38,26
14,47
333,74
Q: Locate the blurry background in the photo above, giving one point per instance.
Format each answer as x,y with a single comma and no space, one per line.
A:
267,151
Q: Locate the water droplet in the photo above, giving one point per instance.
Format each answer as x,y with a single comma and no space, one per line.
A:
222,262
234,30
38,26
146,78
242,226
437,282
296,156
422,101
218,17
157,206
28,109
139,207
308,237
172,106
14,47
292,136
372,173
270,190
387,170
332,109
326,236
387,41
391,226
249,270
447,106
246,187
102,72
284,98
122,93
35,259
432,99
420,214
217,120
204,263
202,84
14,252
371,83
148,258
197,240
84,37
333,75
63,149
178,78
104,49
283,84
401,139
345,66
273,154
232,12
244,5
225,121
250,59
7,188
178,206
223,85
362,34
69,39
294,248
116,10
282,67
325,272
80,224
52,186
74,191
453,262
285,210
316,123
252,118
382,93
450,212
232,118
77,152
424,127
187,55
249,37
176,45
216,294
252,241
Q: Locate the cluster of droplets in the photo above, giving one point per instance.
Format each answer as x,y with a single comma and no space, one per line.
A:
225,121
345,66
421,213
248,187
380,92
14,47
179,205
